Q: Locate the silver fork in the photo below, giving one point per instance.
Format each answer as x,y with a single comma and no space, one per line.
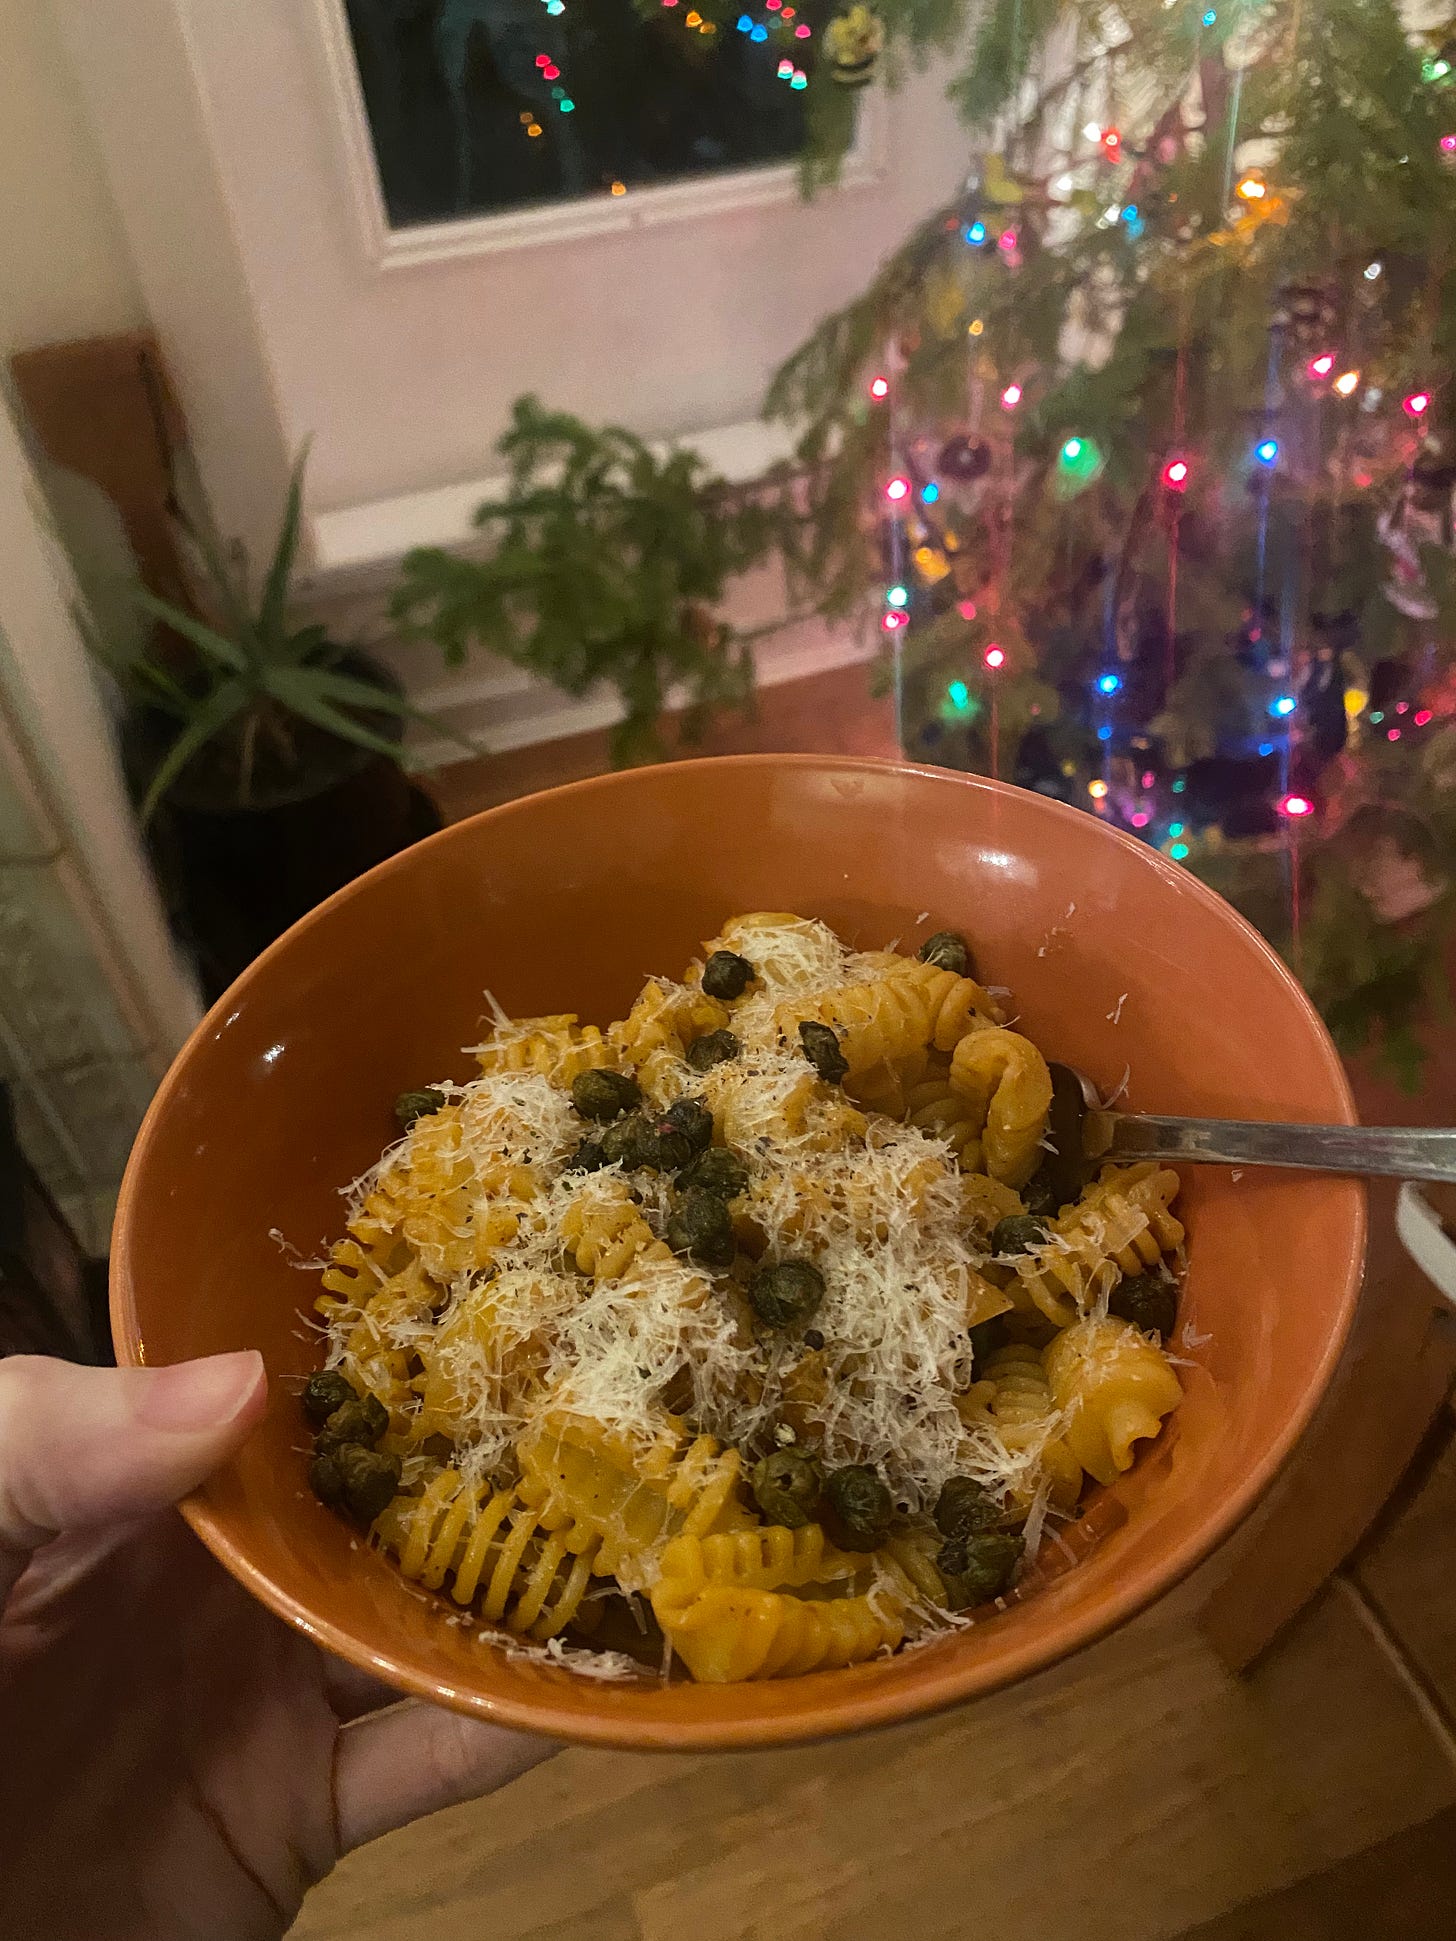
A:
1394,1152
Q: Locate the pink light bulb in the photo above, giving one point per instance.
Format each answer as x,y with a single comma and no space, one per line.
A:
1148,778
1422,716
966,609
1011,397
1140,819
994,656
1322,365
1296,805
1448,144
897,489
1175,474
1392,734
802,31
879,387
1007,240
1417,404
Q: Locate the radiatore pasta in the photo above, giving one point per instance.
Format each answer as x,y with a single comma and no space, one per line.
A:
754,1335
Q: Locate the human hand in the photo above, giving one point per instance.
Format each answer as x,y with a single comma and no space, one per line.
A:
178,1762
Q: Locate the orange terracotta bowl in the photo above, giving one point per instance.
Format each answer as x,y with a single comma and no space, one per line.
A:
1119,961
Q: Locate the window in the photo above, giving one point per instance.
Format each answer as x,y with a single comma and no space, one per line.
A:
482,106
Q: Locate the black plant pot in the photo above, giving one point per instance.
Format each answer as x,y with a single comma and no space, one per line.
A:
234,878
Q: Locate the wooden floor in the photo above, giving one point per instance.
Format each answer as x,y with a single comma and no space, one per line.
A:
1139,1793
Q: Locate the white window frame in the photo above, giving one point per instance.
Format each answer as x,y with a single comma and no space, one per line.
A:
451,238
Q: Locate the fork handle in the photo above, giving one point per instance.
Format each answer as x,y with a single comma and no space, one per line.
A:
1396,1152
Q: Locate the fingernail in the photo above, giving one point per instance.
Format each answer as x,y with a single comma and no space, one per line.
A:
194,1395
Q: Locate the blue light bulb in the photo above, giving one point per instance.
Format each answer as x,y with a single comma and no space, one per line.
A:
1266,748
959,693
1283,705
760,32
1104,733
1267,451
930,494
976,234
745,23
897,596
1209,18
1108,683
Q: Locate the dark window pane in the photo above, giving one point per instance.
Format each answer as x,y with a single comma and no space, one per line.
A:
455,89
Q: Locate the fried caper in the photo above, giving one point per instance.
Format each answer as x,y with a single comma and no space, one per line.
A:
701,1225
715,1171
325,1391
785,1295
820,1045
605,1095
588,1157
978,1568
369,1478
410,1106
326,1479
1149,1301
858,1508
963,1509
1040,1194
692,1119
713,1048
630,1142
726,974
1018,1233
355,1421
786,1487
947,951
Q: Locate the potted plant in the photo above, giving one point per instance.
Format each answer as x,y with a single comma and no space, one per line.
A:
606,565
267,758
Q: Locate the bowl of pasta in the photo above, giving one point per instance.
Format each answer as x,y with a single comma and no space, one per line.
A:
690,1318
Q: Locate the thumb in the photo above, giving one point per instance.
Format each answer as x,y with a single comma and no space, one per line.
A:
87,1446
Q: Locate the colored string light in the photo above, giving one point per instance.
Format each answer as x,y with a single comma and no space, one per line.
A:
1148,778
801,32
1209,18
1111,141
1252,187
619,188
1417,404
1007,240
959,696
1175,474
897,489
1097,790
975,234
892,621
1392,734
1356,702
1421,717
879,387
800,79
1011,397
1180,783
1140,819
1295,805
966,609
1179,851
1104,733
975,327
898,596
1372,272
1283,706
1108,683
1267,451
1448,144
1377,715
930,494
1175,828
1322,365
1346,383
994,657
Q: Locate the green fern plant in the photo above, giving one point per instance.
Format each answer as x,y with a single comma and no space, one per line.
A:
606,565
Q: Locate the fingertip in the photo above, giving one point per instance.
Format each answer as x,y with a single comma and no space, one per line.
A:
215,1392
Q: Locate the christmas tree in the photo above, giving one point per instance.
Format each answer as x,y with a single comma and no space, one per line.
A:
1139,451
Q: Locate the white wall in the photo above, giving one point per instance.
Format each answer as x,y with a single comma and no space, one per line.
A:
65,270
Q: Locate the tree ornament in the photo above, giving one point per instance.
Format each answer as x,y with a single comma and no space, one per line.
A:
853,43
964,460
1423,515
1309,315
